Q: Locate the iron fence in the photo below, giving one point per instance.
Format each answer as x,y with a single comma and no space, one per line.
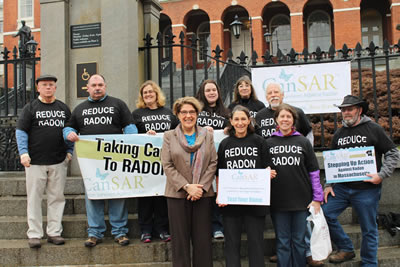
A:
369,64
18,89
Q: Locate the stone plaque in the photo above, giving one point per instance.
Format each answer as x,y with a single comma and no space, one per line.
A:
85,35
83,73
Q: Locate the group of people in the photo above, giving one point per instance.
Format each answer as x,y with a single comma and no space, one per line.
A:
278,137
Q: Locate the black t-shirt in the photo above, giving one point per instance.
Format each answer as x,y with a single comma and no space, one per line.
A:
293,158
212,119
109,116
253,105
249,152
159,120
368,133
266,123
44,123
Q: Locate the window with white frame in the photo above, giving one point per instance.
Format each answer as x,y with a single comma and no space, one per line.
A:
371,27
203,33
319,31
281,34
25,12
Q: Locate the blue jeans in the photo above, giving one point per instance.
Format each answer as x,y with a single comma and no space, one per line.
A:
290,230
307,239
117,212
365,202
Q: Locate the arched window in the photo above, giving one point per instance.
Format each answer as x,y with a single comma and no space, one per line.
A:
166,51
319,31
371,27
203,33
281,34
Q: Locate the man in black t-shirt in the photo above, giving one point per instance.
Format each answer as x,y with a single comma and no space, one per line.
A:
358,131
102,114
45,157
265,117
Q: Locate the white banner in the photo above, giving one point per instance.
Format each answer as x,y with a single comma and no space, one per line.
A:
312,87
349,165
122,166
244,186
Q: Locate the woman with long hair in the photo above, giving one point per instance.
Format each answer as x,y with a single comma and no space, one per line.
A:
245,95
213,116
151,117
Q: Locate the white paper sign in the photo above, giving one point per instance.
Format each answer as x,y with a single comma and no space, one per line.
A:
312,87
349,165
244,186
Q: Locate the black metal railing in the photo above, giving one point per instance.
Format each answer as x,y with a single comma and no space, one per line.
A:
19,88
367,80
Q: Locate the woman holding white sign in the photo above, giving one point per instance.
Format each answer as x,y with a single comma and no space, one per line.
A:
243,149
153,117
296,187
189,159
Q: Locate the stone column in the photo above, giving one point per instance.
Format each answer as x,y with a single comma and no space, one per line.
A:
151,11
120,64
54,44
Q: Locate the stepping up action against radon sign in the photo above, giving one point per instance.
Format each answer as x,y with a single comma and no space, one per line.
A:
349,165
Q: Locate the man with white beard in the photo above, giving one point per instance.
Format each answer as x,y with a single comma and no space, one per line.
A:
265,117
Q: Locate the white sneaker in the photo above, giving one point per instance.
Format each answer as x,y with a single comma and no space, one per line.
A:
218,235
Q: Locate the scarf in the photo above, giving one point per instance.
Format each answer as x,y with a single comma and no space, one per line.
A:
198,148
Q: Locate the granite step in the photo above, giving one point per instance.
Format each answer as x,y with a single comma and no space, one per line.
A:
136,254
74,204
14,184
75,226
75,221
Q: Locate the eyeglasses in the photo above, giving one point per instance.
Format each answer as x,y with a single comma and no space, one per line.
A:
185,112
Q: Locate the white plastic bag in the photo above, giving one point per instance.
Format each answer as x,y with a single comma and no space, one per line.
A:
320,242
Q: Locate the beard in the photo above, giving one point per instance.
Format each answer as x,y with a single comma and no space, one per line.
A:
273,103
352,121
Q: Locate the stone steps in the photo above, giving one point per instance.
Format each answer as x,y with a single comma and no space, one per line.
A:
14,249
109,253
74,204
14,184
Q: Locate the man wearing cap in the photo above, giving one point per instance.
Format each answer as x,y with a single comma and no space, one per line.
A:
45,156
102,114
358,131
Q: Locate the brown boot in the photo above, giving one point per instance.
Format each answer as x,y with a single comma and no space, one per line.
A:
314,263
341,256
